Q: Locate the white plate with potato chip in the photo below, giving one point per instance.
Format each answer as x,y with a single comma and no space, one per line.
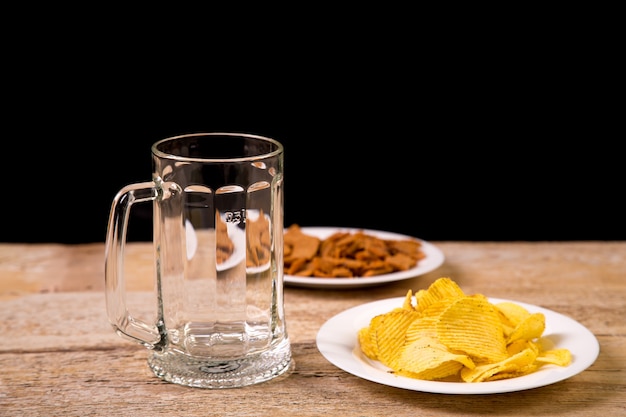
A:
337,341
433,259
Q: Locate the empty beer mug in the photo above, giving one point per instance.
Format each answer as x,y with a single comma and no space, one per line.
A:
217,200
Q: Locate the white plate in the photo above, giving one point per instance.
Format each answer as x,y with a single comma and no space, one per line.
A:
337,341
434,258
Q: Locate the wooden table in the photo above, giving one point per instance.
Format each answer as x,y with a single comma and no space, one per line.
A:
59,355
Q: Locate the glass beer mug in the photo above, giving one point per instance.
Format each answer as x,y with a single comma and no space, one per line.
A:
218,248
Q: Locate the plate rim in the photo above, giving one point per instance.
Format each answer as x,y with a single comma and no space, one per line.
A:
344,345
434,254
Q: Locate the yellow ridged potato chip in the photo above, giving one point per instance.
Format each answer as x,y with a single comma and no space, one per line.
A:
529,328
429,359
519,345
560,357
511,315
443,288
390,333
367,338
507,375
367,344
447,335
443,372
408,301
421,327
471,325
511,364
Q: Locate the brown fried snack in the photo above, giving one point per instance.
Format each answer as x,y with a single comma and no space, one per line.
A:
347,255
258,241
224,245
298,245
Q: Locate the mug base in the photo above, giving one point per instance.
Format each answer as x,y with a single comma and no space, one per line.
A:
184,370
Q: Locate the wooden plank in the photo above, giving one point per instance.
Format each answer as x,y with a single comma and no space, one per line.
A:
60,357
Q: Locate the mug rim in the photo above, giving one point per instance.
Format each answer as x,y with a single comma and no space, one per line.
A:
161,154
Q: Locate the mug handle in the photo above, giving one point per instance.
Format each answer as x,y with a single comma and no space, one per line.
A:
120,318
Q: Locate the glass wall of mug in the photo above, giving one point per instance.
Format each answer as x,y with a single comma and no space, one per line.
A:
218,238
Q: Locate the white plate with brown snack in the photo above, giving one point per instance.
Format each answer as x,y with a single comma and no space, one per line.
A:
432,258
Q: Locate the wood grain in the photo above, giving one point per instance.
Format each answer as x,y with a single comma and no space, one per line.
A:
60,357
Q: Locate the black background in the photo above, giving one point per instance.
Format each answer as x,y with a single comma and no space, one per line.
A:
462,129
437,175
442,150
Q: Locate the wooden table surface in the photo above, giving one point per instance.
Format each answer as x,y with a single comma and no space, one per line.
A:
60,357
